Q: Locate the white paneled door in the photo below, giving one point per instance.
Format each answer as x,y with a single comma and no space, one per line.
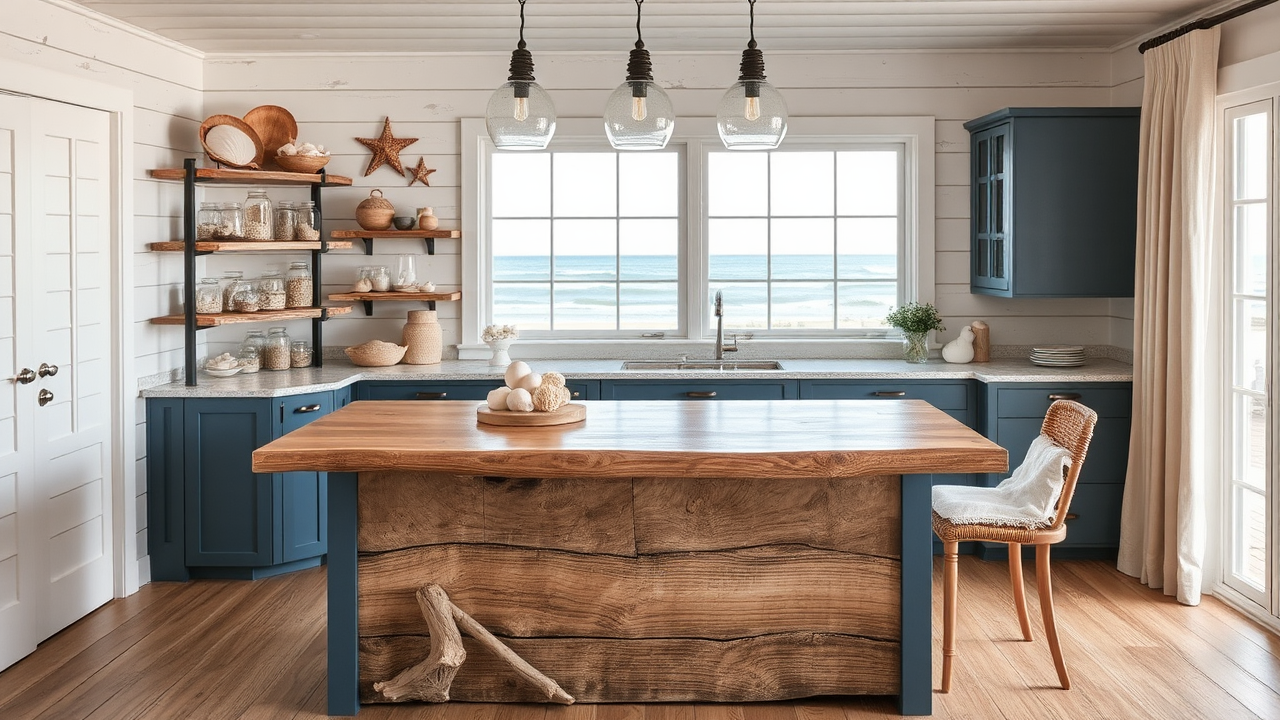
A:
55,318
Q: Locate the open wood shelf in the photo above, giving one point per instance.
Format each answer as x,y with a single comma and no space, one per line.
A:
208,246
368,236
251,177
214,320
370,297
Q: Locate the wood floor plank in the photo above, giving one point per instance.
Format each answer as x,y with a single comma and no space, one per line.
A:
256,651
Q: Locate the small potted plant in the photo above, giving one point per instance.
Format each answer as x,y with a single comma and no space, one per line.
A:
915,320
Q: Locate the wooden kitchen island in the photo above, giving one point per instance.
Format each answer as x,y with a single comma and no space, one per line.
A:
656,552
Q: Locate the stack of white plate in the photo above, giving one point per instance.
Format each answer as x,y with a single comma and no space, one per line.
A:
1058,355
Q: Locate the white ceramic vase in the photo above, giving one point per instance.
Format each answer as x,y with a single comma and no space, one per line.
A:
499,348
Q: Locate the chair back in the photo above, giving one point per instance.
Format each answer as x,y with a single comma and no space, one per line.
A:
1070,425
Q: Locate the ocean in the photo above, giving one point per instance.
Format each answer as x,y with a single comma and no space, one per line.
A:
805,292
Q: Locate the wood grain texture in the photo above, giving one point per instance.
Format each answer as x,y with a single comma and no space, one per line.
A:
402,296
248,177
261,316
563,415
787,665
859,515
409,234
577,515
249,246
760,439
518,592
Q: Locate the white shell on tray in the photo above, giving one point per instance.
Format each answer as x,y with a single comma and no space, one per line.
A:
230,144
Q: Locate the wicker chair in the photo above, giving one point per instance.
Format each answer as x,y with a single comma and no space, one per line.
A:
1070,425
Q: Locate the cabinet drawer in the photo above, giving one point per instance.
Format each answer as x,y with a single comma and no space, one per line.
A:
1097,510
1106,461
583,389
698,390
1035,402
296,411
428,391
944,396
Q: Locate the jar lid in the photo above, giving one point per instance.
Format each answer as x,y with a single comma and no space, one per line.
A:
232,274
375,202
298,265
286,204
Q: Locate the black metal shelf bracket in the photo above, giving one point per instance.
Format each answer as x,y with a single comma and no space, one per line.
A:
430,242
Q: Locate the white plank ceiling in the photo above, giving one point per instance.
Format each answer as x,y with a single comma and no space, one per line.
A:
252,26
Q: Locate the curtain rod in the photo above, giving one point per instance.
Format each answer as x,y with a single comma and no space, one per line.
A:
1203,24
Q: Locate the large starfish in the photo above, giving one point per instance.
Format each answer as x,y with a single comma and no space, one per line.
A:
386,149
421,173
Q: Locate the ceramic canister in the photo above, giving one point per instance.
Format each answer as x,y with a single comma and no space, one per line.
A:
422,336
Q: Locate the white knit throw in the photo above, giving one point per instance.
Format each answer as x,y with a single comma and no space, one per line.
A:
1025,499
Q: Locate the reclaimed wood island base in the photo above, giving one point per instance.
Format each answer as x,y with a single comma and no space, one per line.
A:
657,552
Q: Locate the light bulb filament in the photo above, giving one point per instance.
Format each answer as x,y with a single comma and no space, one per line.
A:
521,112
751,108
639,109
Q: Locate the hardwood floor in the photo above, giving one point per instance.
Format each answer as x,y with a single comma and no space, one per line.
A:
232,649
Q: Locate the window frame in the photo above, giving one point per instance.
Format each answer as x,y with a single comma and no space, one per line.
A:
698,136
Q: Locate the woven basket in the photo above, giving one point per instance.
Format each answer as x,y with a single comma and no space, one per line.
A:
302,163
375,212
376,353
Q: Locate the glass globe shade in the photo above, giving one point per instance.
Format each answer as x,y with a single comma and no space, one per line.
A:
639,123
524,123
755,123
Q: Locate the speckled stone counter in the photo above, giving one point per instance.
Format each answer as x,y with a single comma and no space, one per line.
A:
339,373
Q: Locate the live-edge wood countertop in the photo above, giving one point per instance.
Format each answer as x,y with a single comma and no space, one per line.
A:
756,438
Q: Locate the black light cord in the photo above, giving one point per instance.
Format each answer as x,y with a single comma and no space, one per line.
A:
639,40
521,45
752,44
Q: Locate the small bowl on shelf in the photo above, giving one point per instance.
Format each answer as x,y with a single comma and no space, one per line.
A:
376,353
302,163
403,222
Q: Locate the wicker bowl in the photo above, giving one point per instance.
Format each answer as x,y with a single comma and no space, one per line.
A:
375,212
302,163
376,353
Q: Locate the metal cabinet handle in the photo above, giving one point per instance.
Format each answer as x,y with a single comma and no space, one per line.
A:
430,396
26,377
576,393
890,393
45,397
47,370
307,409
1064,396
1071,516
701,394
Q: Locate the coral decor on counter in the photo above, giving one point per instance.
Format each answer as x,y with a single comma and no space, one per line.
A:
530,399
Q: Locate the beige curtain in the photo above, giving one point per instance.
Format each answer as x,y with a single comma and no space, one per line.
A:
1162,534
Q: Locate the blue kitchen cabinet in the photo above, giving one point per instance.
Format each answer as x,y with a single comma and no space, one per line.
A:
1014,413
699,389
456,389
209,514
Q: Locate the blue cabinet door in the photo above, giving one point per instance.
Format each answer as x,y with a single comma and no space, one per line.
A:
444,390
304,496
166,512
698,390
230,509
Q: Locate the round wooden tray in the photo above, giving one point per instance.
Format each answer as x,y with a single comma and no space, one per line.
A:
563,415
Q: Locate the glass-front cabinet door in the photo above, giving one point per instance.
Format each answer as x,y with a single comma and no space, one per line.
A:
990,159
1250,477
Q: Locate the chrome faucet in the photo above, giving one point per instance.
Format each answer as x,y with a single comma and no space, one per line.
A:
721,349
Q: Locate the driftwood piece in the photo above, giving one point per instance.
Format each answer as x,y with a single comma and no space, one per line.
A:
430,679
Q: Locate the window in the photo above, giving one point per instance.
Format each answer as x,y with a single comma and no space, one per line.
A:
816,240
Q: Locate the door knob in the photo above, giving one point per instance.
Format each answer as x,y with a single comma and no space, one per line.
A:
26,377
47,370
45,397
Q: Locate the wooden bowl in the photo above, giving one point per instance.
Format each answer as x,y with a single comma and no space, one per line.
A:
302,163
215,120
276,126
376,353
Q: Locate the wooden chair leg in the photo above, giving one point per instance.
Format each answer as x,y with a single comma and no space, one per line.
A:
950,576
1045,588
1019,592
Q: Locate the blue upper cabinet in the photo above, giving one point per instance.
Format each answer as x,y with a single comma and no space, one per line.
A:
1053,202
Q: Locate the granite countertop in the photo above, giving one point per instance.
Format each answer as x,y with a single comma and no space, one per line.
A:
340,373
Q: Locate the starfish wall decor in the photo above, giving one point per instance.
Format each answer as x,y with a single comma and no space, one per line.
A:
421,173
386,149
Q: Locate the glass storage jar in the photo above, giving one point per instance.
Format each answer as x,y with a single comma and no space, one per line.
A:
251,351
406,274
300,354
271,293
286,221
257,216
209,296
298,286
275,351
231,223
208,219
379,278
308,228
245,298
229,280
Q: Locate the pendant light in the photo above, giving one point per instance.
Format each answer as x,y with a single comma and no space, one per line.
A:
752,114
639,115
521,115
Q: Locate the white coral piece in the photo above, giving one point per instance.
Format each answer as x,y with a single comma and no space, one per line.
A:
550,397
287,149
554,379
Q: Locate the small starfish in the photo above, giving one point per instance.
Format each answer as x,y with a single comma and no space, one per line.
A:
421,172
386,149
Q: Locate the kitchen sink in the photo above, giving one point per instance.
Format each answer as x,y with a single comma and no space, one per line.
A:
702,365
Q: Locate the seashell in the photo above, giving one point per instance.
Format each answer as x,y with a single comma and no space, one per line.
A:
307,149
530,382
497,398
515,371
287,149
520,400
320,149
230,144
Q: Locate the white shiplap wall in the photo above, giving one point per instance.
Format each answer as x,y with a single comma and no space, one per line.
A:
337,98
168,107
